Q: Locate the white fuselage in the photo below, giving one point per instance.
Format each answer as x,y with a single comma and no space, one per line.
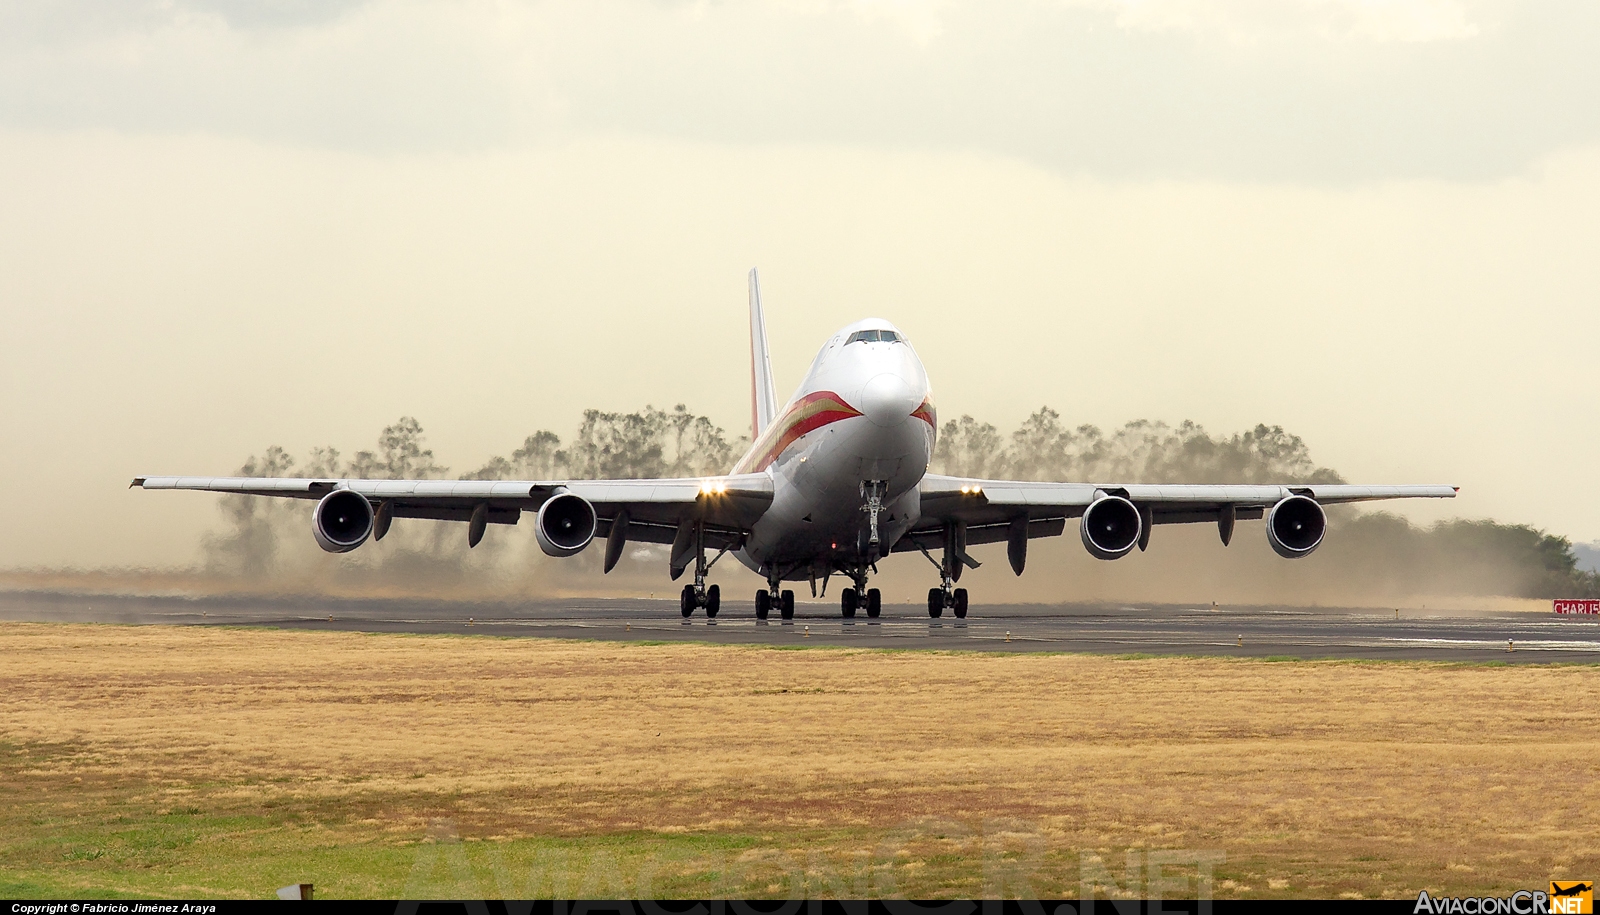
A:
861,417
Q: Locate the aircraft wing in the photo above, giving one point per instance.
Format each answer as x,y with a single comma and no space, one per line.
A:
988,509
655,509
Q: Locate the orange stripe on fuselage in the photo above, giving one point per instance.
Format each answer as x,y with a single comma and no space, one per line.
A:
807,414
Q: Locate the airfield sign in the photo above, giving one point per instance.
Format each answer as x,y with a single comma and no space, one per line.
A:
1577,606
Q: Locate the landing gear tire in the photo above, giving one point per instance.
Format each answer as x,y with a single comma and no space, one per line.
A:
763,604
936,602
687,601
874,603
847,602
786,605
714,601
959,604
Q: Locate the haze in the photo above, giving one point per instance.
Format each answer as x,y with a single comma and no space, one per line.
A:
227,225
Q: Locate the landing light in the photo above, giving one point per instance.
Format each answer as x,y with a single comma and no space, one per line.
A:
972,489
713,487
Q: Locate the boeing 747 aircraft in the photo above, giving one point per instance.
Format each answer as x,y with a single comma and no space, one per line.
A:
834,481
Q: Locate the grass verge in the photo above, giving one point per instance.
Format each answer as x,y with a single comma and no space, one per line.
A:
156,761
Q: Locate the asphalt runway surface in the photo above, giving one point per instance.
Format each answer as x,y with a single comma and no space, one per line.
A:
1162,629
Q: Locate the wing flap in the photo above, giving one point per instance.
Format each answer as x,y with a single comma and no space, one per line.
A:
932,538
717,537
495,515
1205,514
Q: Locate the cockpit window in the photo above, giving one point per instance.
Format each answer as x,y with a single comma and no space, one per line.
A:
873,336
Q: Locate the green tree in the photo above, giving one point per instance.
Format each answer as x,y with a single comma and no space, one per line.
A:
400,455
968,448
249,544
1042,449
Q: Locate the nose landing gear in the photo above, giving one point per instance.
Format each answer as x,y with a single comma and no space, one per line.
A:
873,491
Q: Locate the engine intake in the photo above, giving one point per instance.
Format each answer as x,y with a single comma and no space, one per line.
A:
1110,527
565,525
1295,526
342,521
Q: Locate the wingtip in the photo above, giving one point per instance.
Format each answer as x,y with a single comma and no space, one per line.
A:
138,483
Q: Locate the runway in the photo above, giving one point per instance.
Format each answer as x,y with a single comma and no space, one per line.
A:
1298,632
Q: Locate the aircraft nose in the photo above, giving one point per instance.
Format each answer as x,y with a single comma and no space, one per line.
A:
887,400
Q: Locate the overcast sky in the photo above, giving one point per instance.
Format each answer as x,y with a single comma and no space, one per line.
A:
225,225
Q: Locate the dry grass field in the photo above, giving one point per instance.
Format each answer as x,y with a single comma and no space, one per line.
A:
197,761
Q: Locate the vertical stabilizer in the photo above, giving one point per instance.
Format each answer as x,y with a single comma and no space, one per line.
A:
763,401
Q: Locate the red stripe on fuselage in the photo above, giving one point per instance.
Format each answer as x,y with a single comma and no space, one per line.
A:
807,414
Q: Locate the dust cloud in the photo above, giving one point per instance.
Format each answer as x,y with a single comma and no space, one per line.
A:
1368,558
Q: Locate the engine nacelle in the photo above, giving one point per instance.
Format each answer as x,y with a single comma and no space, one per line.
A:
565,525
1295,526
1110,527
342,521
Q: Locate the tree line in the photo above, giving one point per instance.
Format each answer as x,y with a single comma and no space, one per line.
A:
1142,451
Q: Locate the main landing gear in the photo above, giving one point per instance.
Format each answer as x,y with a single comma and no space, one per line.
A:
711,600
954,598
698,594
851,599
859,595
783,600
947,595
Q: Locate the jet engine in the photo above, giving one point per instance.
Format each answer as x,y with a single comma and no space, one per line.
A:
1110,527
565,525
342,521
1295,526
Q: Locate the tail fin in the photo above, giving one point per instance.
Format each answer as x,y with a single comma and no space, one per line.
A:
763,400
